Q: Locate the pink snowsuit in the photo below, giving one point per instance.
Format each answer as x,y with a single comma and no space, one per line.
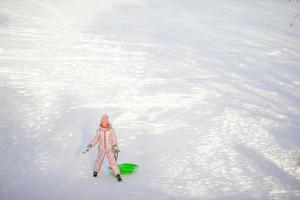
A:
107,139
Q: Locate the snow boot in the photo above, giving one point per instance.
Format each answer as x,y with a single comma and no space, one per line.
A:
119,177
95,174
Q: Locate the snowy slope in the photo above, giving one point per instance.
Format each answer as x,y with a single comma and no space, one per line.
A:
204,96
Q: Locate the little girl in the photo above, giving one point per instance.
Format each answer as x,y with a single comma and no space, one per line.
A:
108,145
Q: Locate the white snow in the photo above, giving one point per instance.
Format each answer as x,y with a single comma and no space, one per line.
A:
204,96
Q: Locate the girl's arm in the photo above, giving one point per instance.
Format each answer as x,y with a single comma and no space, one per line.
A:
96,139
114,138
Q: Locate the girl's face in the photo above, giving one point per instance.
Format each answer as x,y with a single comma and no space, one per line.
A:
104,121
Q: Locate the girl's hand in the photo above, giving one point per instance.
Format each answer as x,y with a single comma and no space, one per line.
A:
88,147
116,149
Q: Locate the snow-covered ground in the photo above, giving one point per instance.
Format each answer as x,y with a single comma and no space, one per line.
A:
204,95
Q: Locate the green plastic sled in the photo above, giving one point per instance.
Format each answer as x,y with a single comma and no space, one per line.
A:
126,168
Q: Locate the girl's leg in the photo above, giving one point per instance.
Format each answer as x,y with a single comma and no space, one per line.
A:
112,162
100,157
